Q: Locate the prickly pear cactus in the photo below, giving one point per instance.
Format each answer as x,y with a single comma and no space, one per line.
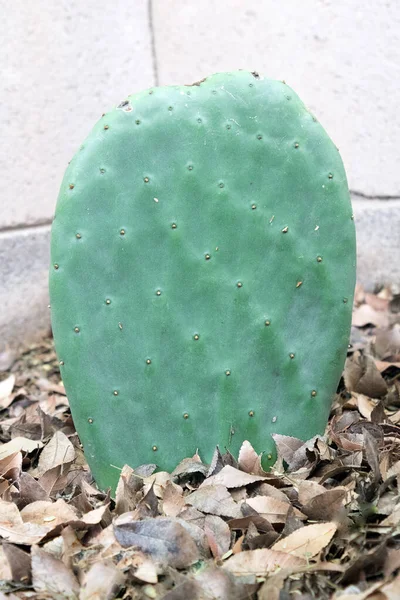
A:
203,267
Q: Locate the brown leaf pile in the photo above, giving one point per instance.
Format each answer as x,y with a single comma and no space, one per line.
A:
324,523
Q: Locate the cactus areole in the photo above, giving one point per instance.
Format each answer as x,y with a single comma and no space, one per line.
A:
202,274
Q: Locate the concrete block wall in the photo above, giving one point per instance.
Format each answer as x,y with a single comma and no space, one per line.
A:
64,62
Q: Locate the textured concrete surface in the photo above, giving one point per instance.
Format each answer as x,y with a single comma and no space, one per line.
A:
378,241
64,63
341,57
24,263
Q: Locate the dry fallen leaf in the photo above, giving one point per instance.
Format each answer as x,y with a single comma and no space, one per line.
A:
287,446
361,375
387,342
127,493
147,571
51,576
261,562
308,541
366,315
18,444
6,388
5,570
101,582
325,506
232,478
20,563
189,466
30,490
308,490
364,404
164,539
173,500
215,500
249,461
15,531
57,452
48,513
271,509
218,535
158,482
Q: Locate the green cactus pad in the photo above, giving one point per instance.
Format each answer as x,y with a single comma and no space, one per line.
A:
202,277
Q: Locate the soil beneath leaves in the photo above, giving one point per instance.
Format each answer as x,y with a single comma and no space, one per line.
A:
324,523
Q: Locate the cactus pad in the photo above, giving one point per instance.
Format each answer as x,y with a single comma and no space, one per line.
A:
202,277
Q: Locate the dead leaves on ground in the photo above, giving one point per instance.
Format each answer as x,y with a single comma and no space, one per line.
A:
323,523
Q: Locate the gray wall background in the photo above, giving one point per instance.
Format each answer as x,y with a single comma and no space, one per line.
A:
65,62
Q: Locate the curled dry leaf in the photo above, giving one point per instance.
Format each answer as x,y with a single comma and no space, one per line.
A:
164,539
361,375
364,404
10,471
127,493
216,464
173,500
232,478
57,452
157,481
92,517
308,541
249,461
189,466
261,562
